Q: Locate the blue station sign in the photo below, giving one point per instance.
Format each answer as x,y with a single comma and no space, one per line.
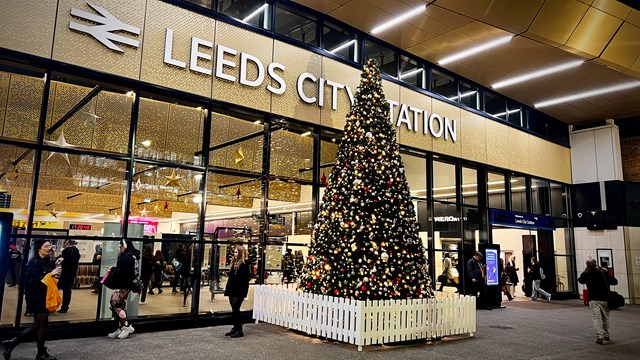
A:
514,219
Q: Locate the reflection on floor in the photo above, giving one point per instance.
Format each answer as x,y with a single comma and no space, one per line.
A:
84,304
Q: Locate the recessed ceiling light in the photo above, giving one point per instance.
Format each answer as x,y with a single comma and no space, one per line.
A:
537,74
476,49
587,94
398,19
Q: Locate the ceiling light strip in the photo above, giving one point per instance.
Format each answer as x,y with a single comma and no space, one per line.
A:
255,12
537,74
397,20
476,49
343,46
587,94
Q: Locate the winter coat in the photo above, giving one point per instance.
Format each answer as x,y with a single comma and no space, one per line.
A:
238,283
71,257
474,270
597,281
535,271
35,291
124,271
512,273
146,268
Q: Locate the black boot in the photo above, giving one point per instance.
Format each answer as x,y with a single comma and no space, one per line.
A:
231,332
8,346
44,355
237,334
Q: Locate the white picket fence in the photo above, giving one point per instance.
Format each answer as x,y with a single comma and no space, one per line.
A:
365,322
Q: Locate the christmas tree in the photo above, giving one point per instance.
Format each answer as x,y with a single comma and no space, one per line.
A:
365,243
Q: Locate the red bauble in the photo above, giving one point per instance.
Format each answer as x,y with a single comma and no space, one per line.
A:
366,188
363,288
308,285
336,292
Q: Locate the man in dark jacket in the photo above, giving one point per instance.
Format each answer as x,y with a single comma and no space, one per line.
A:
15,257
70,258
476,280
598,281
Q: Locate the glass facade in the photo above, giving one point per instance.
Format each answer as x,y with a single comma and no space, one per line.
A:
95,161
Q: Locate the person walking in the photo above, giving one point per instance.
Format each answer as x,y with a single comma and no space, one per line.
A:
598,281
512,272
237,288
146,270
503,280
288,267
158,272
121,279
179,268
15,256
535,271
447,272
36,296
71,257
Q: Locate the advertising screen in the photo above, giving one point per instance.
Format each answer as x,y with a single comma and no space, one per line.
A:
493,277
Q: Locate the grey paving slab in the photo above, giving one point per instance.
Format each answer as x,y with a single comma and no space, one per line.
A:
523,330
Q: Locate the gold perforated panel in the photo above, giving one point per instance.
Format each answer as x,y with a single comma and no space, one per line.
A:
291,152
161,16
184,135
4,96
22,109
245,155
551,161
289,103
440,145
497,139
416,138
392,92
347,76
78,130
472,136
519,155
152,127
112,134
27,26
243,41
84,50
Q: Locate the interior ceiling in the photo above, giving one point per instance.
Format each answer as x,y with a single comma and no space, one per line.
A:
604,33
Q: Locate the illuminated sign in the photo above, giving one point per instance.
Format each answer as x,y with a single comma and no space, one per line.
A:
493,277
79,227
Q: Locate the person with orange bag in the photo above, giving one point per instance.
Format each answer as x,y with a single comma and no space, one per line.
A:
35,292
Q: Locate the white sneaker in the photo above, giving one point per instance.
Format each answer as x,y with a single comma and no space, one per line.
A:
126,330
114,334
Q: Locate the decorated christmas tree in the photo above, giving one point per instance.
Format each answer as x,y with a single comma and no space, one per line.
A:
365,243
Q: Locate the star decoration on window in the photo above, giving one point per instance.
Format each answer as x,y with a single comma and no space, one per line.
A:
239,155
173,180
144,212
156,209
54,214
60,142
90,116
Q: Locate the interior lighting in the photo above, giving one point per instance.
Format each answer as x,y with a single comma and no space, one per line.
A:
463,95
257,122
587,94
537,74
476,49
306,133
146,143
506,112
197,177
343,46
255,12
197,198
397,20
412,72
129,93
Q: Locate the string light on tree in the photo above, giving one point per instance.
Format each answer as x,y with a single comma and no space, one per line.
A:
365,243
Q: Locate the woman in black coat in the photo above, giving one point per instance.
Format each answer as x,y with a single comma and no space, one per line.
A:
146,270
237,288
35,292
121,279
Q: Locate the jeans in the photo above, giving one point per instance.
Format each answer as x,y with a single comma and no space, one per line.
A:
537,290
600,316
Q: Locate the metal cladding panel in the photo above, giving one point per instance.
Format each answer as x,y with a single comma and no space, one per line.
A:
348,76
80,48
497,144
161,16
473,130
28,31
416,137
442,145
289,103
242,41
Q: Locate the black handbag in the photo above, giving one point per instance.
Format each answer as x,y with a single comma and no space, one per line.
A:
615,300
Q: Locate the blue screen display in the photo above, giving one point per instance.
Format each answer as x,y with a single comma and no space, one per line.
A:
493,277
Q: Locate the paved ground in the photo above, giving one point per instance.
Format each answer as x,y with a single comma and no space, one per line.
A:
524,330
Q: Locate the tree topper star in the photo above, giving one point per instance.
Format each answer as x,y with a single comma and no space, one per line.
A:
60,142
173,180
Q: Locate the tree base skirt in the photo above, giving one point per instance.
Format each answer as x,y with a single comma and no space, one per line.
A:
367,322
